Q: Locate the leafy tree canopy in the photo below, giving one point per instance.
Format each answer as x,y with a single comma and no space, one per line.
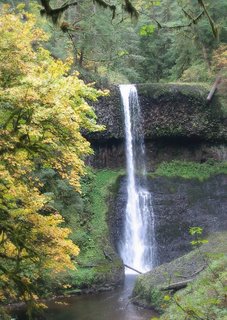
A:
43,109
150,49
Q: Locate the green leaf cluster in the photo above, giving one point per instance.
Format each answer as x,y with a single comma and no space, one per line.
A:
146,30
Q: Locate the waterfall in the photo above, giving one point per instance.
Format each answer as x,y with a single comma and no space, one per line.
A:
137,247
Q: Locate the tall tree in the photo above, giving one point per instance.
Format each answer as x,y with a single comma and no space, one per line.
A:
43,110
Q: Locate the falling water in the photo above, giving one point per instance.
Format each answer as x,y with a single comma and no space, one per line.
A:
137,247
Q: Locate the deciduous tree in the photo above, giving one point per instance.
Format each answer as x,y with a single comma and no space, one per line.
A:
43,109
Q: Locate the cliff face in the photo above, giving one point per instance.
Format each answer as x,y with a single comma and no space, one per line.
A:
178,205
109,113
175,116
169,110
178,124
181,111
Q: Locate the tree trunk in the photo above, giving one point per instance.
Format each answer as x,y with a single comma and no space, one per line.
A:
177,285
81,60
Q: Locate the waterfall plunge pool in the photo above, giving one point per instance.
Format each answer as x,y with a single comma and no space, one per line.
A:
111,305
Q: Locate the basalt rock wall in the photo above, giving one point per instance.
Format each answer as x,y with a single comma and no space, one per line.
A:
176,117
181,112
178,205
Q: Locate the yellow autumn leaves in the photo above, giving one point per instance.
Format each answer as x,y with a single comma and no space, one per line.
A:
43,109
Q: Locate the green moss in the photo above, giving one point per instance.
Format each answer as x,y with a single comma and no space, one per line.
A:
82,278
97,260
148,289
168,130
191,170
104,181
85,214
205,298
198,91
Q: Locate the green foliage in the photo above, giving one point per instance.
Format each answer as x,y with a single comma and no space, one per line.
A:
196,232
197,73
166,43
43,110
90,229
146,30
149,287
103,181
97,195
82,278
167,298
204,299
191,170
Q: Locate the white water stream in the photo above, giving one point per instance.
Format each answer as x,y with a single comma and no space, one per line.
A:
137,247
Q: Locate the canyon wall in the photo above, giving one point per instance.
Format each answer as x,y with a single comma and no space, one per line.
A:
178,205
178,123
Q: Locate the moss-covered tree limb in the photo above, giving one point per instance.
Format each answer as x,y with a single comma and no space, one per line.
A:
55,14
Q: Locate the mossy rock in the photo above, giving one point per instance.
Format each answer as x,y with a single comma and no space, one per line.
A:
191,170
171,110
99,265
194,91
148,288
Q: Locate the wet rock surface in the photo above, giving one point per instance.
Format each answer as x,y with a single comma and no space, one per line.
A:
181,111
178,205
109,113
177,120
169,110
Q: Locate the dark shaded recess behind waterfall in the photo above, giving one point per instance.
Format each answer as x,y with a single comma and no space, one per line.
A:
111,153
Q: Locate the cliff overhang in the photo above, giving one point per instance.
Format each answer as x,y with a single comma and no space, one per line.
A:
169,111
